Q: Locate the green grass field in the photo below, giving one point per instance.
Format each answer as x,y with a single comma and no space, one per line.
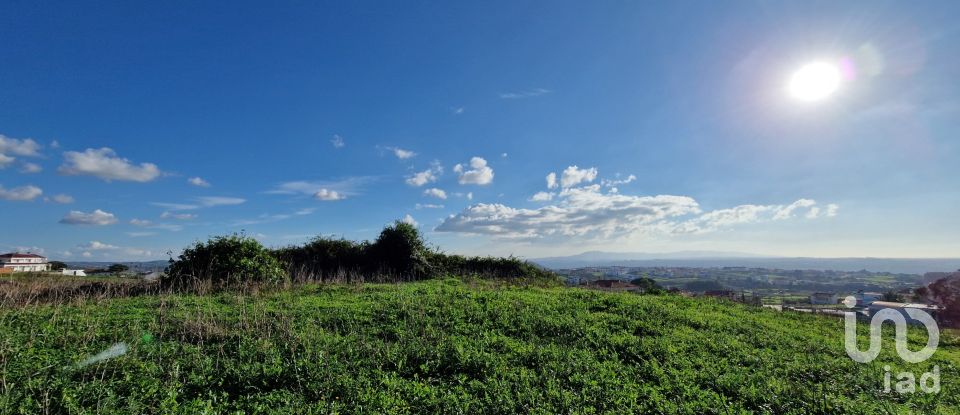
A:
445,347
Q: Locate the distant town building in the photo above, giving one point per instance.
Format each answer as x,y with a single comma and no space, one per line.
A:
866,298
876,306
17,262
726,294
824,298
73,272
614,285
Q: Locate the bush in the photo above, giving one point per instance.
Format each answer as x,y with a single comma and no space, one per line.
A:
323,259
400,252
488,267
225,260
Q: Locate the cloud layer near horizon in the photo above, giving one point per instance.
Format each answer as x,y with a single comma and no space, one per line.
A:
586,212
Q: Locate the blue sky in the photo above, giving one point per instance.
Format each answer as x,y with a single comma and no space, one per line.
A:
129,130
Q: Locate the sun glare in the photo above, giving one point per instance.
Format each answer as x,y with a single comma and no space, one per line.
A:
815,81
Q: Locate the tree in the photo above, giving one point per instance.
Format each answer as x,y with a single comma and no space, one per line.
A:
892,296
57,265
946,293
400,250
117,268
225,259
648,285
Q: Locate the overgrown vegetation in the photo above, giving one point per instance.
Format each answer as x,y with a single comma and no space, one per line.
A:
445,346
225,260
398,254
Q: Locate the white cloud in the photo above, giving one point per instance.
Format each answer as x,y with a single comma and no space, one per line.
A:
24,147
304,211
105,164
138,252
428,206
97,217
427,176
786,212
832,210
30,168
178,216
20,194
437,193
328,195
29,249
199,182
176,206
337,141
107,250
211,201
346,187
62,199
202,202
469,195
542,197
459,110
585,212
745,214
140,234
409,219
264,218
479,173
96,246
5,161
148,224
530,93
573,176
401,153
552,181
617,182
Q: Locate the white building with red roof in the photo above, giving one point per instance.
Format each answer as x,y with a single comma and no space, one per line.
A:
17,262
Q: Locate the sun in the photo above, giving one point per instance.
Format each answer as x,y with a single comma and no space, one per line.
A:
814,81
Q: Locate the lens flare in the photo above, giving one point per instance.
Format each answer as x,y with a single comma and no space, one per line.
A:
815,81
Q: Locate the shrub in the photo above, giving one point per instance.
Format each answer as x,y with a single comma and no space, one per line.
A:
400,251
224,260
323,259
489,267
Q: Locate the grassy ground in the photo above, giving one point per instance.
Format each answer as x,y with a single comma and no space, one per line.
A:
444,347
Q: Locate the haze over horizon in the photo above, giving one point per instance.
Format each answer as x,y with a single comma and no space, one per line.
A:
542,129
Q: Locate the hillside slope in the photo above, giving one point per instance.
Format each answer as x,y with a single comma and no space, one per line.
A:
444,347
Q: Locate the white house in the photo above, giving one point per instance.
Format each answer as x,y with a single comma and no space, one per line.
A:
73,272
17,262
823,298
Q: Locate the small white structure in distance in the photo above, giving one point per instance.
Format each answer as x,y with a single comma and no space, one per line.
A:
824,298
73,272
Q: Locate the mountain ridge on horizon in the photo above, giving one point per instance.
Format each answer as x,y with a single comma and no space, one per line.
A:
711,259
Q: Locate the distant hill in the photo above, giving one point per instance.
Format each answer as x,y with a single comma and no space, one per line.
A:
707,259
134,266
